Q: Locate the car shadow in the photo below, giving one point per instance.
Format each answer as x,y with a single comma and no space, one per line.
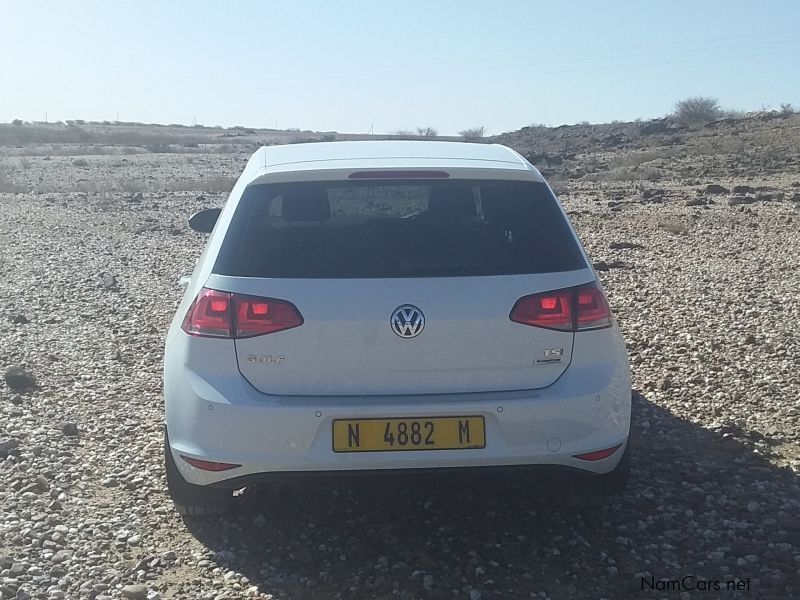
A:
703,508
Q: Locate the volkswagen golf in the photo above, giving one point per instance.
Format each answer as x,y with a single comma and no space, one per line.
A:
392,307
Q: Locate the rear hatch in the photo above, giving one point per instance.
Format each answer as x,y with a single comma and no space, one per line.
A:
404,287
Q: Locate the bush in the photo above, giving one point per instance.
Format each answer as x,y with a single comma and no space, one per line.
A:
473,135
80,162
427,132
787,109
9,186
696,111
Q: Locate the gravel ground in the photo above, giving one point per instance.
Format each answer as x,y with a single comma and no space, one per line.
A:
708,300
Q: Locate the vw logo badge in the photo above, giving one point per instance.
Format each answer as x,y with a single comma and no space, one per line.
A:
407,321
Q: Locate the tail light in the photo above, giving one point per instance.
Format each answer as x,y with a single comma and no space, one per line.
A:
570,309
227,315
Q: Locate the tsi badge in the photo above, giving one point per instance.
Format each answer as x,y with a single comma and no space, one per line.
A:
552,356
266,359
407,321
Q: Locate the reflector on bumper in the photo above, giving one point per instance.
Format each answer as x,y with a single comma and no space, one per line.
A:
599,454
207,465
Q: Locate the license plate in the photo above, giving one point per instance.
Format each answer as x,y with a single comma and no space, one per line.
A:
423,433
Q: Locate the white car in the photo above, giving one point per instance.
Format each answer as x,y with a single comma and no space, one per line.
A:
367,307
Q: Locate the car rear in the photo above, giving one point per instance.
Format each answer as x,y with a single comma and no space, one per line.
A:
360,317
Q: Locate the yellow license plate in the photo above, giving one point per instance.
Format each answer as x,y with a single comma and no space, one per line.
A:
423,433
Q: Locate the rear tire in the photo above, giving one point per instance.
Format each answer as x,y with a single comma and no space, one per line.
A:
190,499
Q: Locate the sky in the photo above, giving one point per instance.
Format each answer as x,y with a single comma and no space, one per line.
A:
381,66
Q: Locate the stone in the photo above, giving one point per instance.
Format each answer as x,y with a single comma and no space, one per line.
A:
19,379
6,447
743,189
625,246
601,265
109,282
135,591
70,429
61,556
739,199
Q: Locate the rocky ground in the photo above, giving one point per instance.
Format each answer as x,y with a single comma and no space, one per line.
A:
705,284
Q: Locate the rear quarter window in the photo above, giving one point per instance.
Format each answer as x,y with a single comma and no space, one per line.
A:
397,229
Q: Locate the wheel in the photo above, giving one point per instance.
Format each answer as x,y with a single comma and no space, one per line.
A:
599,490
190,499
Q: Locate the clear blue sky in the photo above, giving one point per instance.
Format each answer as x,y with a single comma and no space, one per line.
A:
349,66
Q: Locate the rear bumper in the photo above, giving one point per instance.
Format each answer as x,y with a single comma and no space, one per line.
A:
540,477
220,417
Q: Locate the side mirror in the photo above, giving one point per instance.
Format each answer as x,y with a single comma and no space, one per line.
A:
204,220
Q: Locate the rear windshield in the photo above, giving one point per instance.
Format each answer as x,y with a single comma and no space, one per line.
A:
397,229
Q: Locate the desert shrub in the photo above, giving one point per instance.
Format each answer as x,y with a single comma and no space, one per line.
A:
206,184
159,148
24,163
131,186
624,174
9,186
635,158
696,111
80,162
674,227
16,122
558,186
473,134
427,132
787,109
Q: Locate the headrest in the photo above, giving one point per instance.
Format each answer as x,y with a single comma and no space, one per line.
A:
306,204
453,201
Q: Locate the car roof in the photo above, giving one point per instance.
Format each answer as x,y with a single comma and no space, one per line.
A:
386,154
